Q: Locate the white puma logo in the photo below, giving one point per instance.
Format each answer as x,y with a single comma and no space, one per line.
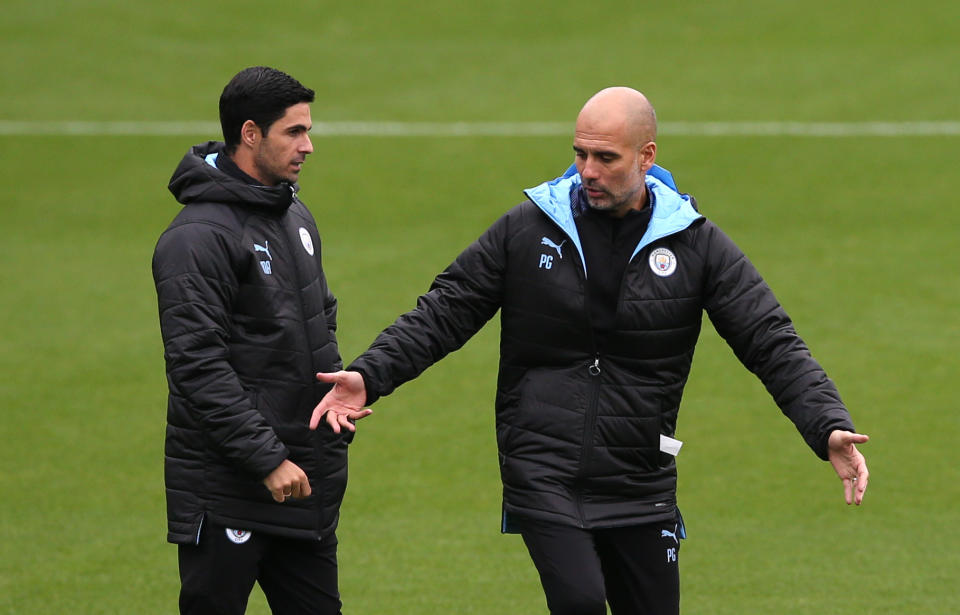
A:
547,242
668,533
263,248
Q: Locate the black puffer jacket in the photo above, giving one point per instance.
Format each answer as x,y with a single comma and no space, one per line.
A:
247,320
578,431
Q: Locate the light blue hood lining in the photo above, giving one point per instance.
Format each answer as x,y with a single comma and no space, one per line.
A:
672,211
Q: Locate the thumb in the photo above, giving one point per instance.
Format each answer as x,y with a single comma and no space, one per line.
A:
331,377
843,438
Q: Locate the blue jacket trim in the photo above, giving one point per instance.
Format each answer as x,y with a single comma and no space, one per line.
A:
672,211
656,170
211,159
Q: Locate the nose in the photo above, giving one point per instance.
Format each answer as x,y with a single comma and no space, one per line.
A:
307,146
589,170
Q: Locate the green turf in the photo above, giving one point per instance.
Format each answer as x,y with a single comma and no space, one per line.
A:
856,236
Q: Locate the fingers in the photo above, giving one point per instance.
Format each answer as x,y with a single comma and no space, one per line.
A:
854,487
295,490
848,490
333,421
288,481
854,490
299,488
338,418
861,485
316,417
345,419
281,492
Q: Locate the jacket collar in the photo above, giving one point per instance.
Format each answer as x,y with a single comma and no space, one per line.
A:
672,211
198,179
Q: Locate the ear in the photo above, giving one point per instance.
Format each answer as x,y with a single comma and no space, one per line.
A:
250,133
648,155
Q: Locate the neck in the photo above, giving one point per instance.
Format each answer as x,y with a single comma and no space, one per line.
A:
638,203
243,158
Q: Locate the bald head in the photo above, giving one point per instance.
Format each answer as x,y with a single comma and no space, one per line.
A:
614,146
619,111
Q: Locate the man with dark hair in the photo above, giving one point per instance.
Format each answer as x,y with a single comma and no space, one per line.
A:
247,319
601,278
260,95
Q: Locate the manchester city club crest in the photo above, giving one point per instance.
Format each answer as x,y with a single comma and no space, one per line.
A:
663,262
306,240
238,537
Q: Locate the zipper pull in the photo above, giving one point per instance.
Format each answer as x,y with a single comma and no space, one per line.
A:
595,368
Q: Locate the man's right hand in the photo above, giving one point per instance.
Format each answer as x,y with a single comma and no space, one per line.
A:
287,481
343,404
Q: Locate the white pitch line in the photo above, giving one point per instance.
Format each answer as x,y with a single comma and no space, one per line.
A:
105,129
810,129
491,129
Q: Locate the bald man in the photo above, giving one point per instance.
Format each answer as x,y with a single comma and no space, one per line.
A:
601,278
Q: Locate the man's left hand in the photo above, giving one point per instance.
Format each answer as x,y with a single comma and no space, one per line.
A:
849,463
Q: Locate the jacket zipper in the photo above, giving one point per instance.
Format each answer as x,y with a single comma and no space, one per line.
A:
590,415
590,423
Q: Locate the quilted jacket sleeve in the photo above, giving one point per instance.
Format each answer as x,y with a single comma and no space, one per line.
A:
748,316
460,301
193,269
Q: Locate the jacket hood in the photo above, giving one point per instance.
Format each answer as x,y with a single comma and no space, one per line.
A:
198,180
672,210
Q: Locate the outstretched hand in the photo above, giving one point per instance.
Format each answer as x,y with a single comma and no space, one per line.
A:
849,463
343,404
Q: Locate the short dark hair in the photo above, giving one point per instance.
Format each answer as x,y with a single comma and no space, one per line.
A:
261,94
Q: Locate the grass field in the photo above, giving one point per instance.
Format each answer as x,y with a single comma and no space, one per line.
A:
855,234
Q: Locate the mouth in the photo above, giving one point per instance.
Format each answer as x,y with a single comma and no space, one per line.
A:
594,193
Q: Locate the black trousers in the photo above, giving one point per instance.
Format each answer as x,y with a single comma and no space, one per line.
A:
634,569
297,576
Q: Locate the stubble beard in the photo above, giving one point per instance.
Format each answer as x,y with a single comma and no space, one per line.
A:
612,204
609,205
268,170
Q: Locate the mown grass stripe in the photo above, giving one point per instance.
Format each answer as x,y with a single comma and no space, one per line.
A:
489,129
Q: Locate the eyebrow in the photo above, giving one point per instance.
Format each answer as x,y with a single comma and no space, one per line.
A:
595,152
